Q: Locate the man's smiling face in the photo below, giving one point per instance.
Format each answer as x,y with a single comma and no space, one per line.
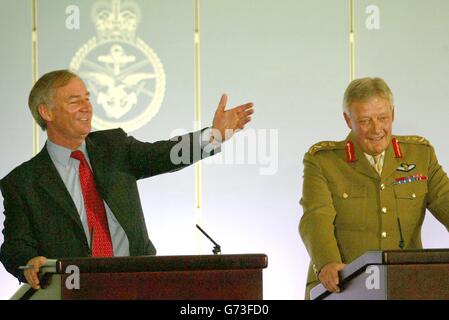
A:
371,122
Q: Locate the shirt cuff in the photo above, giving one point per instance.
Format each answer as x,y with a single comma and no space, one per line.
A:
208,142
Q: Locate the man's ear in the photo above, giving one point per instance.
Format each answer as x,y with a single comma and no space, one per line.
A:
45,112
348,120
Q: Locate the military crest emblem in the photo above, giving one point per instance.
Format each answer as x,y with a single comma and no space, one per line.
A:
124,75
404,167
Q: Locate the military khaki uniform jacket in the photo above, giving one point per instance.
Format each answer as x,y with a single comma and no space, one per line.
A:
349,209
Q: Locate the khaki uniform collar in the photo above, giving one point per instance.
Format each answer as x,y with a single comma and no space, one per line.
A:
362,165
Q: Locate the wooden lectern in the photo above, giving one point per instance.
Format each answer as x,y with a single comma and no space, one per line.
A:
393,275
204,277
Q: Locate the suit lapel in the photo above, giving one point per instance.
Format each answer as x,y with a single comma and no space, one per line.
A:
50,180
98,160
113,194
390,162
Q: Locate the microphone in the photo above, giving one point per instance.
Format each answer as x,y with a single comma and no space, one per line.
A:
401,238
217,248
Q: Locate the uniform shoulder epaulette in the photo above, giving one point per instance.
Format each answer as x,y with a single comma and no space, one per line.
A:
326,145
413,140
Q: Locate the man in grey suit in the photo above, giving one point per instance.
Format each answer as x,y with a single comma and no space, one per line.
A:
78,196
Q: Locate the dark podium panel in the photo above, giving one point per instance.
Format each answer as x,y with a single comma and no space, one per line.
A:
393,275
203,277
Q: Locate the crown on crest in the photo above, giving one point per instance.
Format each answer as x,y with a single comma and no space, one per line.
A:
115,20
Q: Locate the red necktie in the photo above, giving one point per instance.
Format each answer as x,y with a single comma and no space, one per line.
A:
97,221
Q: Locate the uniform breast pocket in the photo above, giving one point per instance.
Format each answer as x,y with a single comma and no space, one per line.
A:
411,202
350,205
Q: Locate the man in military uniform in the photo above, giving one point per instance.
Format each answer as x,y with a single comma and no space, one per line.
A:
369,191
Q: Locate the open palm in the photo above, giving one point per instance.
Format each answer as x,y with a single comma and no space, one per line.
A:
227,122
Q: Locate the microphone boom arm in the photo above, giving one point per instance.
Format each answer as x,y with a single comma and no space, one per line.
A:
217,248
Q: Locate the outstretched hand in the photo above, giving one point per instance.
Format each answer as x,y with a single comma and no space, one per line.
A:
227,122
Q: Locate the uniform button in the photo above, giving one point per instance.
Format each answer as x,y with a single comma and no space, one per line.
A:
384,210
384,234
345,195
413,195
382,186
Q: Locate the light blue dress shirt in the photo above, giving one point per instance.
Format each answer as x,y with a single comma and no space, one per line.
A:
68,169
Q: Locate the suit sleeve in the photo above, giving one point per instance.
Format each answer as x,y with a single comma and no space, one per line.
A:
19,244
317,223
438,191
149,159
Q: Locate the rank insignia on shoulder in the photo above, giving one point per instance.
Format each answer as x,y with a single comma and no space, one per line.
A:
404,167
323,145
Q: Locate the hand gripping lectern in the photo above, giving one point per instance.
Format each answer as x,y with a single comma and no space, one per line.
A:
203,277
393,275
